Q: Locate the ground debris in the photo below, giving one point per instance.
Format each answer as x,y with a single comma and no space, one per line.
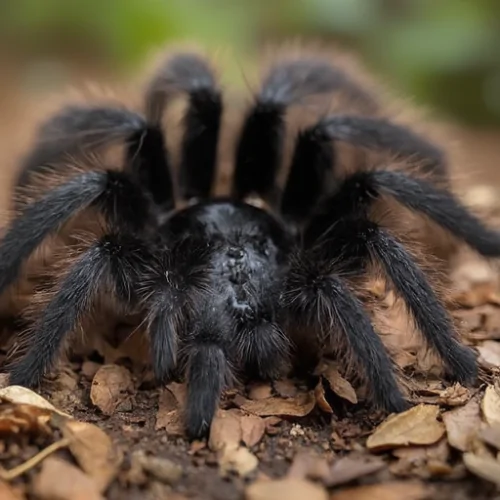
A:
112,389
418,425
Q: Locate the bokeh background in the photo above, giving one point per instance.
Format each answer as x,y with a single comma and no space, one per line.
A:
442,53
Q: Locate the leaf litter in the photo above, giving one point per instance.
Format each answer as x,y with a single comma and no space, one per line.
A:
117,432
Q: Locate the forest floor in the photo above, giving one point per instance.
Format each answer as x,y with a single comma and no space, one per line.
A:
99,428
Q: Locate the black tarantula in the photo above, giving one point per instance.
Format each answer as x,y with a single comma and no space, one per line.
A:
222,283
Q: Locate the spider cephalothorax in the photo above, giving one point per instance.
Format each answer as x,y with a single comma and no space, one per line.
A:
220,283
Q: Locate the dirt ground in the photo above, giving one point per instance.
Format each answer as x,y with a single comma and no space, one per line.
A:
100,428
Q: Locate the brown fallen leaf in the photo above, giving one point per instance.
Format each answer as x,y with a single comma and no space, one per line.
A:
169,415
462,425
94,451
21,395
291,489
259,390
319,393
338,384
59,480
309,465
252,429
348,469
489,353
238,460
491,435
111,389
456,395
299,406
483,466
8,492
422,461
491,405
161,468
23,419
418,425
397,490
286,388
225,431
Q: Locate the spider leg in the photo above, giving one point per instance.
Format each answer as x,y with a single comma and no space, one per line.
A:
107,263
380,134
325,300
430,315
189,73
208,368
441,207
112,192
259,149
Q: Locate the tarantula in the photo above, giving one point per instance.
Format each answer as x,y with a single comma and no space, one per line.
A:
222,283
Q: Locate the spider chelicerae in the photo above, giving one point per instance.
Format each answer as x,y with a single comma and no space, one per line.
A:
221,283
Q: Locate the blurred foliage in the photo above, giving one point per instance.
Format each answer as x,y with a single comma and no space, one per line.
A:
445,52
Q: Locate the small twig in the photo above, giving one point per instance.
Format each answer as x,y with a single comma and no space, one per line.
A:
9,475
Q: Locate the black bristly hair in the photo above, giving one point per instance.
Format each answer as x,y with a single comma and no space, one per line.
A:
220,281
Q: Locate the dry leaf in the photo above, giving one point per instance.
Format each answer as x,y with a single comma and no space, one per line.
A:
8,492
418,425
291,489
239,460
422,461
462,425
300,406
286,388
491,405
169,415
491,436
21,395
252,429
225,431
456,395
259,391
339,385
483,466
111,388
348,469
59,480
319,394
307,465
397,490
161,468
94,451
489,353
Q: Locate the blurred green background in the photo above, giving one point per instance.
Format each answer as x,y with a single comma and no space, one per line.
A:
445,53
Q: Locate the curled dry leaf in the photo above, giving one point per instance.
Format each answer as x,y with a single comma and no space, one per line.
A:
462,425
308,465
59,480
252,429
338,384
489,353
418,425
396,490
483,466
23,419
169,414
491,405
456,395
9,492
348,469
319,393
226,433
299,406
21,395
491,435
162,469
111,388
239,460
291,489
422,461
94,451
